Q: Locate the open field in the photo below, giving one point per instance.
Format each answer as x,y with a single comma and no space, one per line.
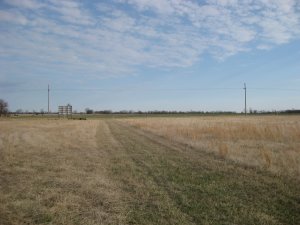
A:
149,171
268,142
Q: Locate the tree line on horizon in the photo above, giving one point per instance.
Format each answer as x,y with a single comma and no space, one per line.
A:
5,112
251,111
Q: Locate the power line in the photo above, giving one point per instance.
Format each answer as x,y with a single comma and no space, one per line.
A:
48,98
273,89
245,88
142,89
148,89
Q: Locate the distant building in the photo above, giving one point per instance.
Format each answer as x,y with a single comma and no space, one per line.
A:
65,110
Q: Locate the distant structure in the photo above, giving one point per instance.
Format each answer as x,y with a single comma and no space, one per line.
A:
65,110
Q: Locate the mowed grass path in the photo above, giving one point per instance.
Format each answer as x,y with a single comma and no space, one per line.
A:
106,172
168,184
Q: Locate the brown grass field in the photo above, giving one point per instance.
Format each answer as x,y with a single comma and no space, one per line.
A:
183,170
270,142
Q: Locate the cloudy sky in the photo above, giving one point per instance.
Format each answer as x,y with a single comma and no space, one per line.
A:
150,54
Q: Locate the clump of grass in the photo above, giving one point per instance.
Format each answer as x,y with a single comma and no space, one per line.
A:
267,158
223,150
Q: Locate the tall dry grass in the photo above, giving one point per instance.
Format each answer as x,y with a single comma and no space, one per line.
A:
54,172
269,142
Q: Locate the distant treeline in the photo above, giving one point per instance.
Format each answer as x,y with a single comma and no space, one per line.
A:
290,111
90,111
161,112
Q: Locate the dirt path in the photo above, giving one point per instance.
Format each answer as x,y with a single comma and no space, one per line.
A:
163,183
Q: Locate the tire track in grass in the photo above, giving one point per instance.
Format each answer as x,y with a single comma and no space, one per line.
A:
144,201
167,185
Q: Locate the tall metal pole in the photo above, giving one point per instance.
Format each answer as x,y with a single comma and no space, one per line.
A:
48,99
245,88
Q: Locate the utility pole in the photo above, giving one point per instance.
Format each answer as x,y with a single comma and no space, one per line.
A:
48,99
245,88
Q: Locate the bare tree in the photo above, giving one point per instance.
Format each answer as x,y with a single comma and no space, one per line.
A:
3,107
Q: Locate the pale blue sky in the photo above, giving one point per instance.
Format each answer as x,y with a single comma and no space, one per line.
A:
150,54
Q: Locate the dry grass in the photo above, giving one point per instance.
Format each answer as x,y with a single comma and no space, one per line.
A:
109,172
52,171
270,142
169,183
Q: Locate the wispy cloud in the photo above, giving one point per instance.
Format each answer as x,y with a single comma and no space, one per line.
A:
104,39
71,12
12,17
28,4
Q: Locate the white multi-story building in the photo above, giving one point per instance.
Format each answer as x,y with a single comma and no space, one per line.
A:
65,110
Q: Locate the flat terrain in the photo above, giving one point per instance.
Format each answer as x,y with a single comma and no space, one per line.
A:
111,171
267,142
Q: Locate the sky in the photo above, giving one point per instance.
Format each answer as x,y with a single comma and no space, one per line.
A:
150,54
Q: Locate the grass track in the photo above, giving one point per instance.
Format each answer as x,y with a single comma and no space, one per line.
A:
167,184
